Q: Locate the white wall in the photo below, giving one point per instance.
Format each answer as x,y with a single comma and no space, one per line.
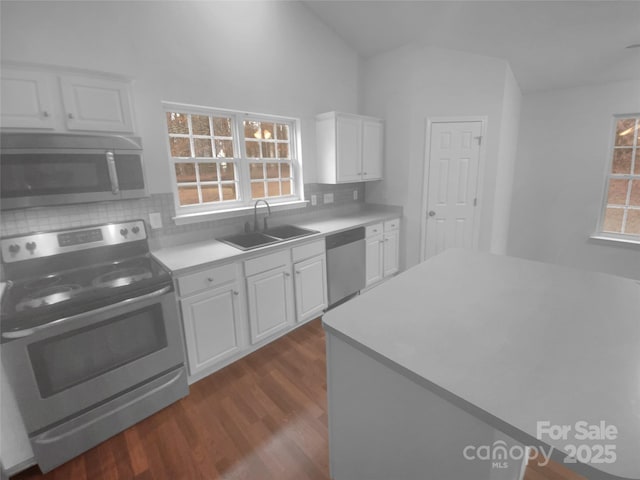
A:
409,85
265,57
563,152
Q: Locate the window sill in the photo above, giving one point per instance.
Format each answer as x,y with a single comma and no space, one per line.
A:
629,240
197,217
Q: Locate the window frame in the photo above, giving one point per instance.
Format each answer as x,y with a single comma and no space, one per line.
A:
229,208
601,234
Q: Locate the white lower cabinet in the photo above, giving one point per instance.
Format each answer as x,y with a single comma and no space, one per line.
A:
310,275
213,314
269,294
382,242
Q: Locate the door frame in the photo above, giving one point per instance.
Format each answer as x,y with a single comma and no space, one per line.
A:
483,119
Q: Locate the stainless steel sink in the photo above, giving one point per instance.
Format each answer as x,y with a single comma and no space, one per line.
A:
247,241
286,232
250,240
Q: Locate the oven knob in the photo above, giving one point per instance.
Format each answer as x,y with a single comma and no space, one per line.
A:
124,232
31,246
14,248
135,230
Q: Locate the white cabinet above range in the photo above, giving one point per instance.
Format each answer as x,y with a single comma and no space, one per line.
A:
350,148
63,100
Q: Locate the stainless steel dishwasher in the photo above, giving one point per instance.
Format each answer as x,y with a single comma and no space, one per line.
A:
345,264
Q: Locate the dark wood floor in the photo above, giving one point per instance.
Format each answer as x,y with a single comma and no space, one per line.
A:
263,417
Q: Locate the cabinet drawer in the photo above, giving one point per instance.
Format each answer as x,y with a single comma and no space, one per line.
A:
392,224
372,230
209,278
266,262
308,250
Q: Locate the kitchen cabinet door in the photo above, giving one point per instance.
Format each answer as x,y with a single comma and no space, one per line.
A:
349,149
27,99
213,326
310,287
96,104
270,299
390,253
374,252
372,149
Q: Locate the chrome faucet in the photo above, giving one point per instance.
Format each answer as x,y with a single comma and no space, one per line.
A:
255,214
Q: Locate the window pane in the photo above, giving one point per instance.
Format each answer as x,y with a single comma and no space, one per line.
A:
256,170
252,129
625,131
257,189
188,195
633,222
202,147
285,170
272,170
227,171
282,131
634,200
253,149
229,191
208,172
622,160
224,149
268,150
273,189
210,193
617,192
613,220
180,147
222,126
286,187
185,172
283,150
200,124
177,123
267,130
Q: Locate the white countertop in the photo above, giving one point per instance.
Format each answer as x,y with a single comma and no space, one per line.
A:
188,256
514,342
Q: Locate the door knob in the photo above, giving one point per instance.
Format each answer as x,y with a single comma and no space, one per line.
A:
432,213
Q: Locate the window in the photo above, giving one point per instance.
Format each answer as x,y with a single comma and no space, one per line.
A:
621,206
226,160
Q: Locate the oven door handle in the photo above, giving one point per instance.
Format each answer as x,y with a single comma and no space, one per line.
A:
30,331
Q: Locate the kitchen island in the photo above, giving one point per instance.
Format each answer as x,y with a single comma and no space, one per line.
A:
451,369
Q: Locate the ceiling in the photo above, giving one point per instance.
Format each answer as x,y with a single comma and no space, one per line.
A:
549,44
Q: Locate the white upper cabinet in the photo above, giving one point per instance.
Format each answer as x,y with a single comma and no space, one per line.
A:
27,99
95,104
55,99
350,148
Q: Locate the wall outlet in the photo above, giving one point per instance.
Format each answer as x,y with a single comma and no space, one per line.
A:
355,194
328,198
314,200
155,220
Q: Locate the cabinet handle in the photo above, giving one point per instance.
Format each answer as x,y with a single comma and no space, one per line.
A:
236,292
71,116
364,173
297,272
210,279
287,274
45,114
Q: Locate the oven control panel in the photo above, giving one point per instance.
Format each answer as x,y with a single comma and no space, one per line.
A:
38,245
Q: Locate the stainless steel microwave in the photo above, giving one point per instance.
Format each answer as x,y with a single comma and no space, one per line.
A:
40,169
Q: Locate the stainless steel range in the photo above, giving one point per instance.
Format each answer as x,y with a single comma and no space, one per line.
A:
90,332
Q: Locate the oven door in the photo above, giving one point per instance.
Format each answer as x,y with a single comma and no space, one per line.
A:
78,363
38,178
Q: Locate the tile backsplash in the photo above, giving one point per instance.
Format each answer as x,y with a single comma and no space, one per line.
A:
16,222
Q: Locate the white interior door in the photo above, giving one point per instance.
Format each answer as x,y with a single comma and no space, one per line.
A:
452,183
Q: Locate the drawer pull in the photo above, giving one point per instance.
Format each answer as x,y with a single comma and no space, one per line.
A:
210,279
287,274
236,292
